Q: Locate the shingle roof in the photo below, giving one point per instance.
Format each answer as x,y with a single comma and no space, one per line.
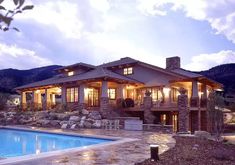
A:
186,73
122,61
77,65
97,73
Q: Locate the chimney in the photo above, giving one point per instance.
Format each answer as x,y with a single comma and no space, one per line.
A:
173,63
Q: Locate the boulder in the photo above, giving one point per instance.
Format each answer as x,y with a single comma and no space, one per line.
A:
63,122
74,118
95,115
64,126
83,118
85,112
87,124
53,116
63,116
202,134
97,124
44,123
55,123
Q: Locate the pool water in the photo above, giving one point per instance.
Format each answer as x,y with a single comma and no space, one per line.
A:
15,142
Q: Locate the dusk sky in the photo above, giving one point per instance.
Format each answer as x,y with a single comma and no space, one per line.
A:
63,32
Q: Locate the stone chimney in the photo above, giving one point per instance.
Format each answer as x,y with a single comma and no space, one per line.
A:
173,63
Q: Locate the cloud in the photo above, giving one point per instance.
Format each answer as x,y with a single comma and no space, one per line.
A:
63,15
220,14
12,56
107,47
207,61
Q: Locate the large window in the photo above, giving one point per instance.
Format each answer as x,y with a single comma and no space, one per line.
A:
174,94
72,95
156,93
112,93
127,71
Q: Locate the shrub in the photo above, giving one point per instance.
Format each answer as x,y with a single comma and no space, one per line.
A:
3,100
129,102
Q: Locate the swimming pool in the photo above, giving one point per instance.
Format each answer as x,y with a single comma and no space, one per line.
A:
14,142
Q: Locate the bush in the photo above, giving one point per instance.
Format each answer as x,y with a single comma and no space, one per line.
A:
129,103
3,100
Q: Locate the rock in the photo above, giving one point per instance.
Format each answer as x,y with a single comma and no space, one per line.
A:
95,115
44,123
87,124
53,116
97,124
64,126
63,122
74,118
85,112
63,116
74,126
202,134
83,118
55,123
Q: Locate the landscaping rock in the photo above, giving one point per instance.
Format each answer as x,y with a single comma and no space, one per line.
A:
97,124
55,123
202,134
74,118
95,115
85,112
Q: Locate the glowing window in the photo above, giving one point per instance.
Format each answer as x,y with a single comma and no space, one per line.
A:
127,71
71,73
112,93
72,95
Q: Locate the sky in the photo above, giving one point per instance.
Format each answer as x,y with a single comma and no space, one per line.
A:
65,32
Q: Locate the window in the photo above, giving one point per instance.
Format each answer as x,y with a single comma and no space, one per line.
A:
112,93
72,95
71,73
127,71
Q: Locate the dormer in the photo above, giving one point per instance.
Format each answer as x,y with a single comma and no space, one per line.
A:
75,69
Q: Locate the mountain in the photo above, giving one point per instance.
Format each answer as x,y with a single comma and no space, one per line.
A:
11,78
224,74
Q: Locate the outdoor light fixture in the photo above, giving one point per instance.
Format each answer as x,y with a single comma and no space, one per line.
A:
166,90
154,152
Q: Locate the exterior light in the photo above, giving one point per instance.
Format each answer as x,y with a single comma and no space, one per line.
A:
71,73
154,148
166,90
58,90
37,91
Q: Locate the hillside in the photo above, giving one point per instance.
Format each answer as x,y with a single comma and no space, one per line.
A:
11,78
225,74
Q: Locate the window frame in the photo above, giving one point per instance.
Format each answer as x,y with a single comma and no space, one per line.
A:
72,94
110,93
128,70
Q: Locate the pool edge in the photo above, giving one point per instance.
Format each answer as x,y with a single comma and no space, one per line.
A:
117,140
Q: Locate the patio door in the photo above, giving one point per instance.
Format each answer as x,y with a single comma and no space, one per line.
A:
93,97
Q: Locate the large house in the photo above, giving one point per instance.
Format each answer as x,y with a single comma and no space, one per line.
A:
104,87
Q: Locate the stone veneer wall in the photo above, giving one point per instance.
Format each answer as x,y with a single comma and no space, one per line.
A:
173,63
183,111
148,115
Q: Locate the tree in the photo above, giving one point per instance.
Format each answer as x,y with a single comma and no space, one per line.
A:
3,100
7,15
215,114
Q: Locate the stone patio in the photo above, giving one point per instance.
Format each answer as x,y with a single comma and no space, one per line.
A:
123,154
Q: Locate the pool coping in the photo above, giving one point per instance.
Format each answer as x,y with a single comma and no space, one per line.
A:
118,140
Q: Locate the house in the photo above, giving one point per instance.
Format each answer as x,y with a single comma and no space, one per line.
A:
105,86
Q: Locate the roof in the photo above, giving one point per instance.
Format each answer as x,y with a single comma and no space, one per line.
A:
97,73
80,64
186,73
122,61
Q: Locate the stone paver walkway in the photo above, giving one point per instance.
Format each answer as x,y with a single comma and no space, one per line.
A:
122,154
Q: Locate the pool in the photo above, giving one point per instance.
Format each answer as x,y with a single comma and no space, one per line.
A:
15,142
